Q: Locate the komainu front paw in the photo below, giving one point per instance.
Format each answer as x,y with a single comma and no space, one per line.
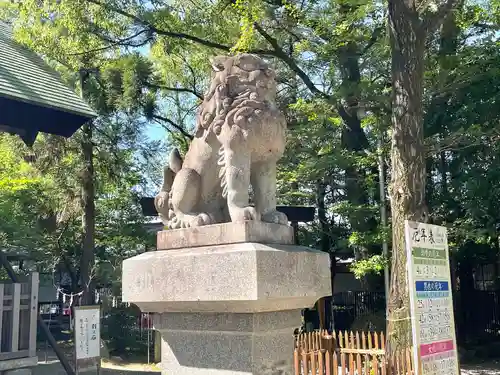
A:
275,217
239,214
188,221
200,220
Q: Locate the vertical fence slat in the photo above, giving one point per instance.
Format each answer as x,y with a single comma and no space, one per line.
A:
305,368
321,362
374,365
296,362
16,309
35,279
343,365
314,368
328,363
361,353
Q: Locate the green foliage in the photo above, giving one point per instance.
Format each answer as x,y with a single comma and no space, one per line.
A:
333,67
374,264
119,330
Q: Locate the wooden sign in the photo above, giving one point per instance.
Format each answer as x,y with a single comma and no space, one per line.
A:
431,300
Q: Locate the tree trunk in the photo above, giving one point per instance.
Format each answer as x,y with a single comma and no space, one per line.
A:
354,140
325,239
408,177
88,196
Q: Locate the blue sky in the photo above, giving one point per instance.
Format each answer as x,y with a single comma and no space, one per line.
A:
155,132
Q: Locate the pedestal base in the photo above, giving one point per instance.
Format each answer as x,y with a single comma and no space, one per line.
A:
239,278
227,343
227,297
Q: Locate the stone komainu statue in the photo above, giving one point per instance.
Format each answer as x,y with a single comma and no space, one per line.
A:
240,135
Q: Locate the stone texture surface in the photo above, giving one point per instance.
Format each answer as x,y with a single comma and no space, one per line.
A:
245,277
25,363
226,233
19,371
227,344
240,134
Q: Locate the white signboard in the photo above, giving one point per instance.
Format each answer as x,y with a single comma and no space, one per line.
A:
87,332
433,323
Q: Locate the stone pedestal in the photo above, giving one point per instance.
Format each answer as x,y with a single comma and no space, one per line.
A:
227,343
230,307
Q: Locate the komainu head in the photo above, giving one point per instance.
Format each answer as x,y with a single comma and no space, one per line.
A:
241,86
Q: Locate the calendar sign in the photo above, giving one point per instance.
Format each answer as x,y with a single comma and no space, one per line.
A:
433,323
87,338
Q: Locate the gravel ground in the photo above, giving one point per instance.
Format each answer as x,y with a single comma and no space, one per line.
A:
491,368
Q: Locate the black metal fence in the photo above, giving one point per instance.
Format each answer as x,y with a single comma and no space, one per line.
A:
477,313
342,309
477,316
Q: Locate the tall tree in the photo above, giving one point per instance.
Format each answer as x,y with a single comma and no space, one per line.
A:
410,23
87,260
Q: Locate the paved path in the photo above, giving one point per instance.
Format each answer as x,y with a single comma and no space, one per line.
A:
491,368
53,367
48,364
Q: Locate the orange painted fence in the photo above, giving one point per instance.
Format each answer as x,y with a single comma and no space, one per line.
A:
343,353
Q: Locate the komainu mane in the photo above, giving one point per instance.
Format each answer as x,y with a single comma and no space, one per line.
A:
240,135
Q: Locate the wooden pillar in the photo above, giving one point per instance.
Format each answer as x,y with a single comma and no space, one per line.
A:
16,309
35,279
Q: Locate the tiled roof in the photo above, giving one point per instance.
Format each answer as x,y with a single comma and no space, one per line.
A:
26,79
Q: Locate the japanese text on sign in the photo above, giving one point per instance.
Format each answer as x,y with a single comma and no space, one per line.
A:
433,325
87,332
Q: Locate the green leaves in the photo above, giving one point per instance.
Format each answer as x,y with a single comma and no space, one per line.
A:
375,264
333,67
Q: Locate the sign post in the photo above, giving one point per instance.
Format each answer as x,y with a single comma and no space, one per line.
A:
431,301
87,339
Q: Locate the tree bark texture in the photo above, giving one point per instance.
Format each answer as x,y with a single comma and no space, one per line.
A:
354,139
325,239
88,220
408,174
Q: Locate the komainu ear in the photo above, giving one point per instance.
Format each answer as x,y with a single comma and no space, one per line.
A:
218,63
249,62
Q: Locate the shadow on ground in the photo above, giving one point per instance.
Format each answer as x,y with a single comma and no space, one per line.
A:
48,364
